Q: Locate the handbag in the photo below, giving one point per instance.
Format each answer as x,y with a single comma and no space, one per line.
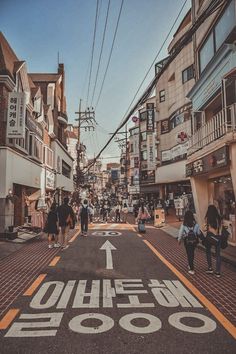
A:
212,239
224,237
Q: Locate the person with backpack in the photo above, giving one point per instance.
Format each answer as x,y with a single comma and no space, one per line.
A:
66,221
213,228
84,213
189,232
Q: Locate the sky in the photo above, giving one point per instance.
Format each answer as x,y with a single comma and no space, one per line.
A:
38,29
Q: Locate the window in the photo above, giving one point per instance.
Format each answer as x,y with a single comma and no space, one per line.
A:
38,149
224,26
21,144
162,95
143,136
144,155
207,52
177,120
217,36
187,74
48,156
66,170
131,148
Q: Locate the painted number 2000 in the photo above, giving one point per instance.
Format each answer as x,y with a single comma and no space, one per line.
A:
93,323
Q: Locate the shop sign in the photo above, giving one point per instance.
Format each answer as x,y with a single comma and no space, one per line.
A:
150,151
16,115
33,126
136,162
165,126
175,152
50,180
181,137
208,163
150,120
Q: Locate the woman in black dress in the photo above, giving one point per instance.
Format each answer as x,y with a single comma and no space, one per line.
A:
52,227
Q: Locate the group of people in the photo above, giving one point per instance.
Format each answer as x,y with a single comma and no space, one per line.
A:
63,218
210,235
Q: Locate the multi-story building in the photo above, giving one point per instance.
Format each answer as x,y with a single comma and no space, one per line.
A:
134,155
29,144
211,163
176,76
147,148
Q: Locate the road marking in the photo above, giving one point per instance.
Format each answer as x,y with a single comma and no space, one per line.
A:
35,285
153,326
208,324
108,247
139,235
75,236
8,318
54,261
106,233
215,312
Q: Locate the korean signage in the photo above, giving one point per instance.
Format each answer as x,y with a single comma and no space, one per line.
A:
151,152
208,163
150,117
16,115
50,180
175,152
165,126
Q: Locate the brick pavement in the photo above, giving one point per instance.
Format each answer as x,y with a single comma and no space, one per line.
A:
220,291
21,268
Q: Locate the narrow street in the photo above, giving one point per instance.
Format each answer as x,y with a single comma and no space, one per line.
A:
115,291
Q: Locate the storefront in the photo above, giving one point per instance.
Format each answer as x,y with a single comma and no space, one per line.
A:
212,182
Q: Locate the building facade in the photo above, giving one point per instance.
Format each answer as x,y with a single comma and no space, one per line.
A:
173,109
211,163
30,139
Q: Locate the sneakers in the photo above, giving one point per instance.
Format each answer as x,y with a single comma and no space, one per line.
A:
65,247
50,246
57,245
217,275
209,271
192,272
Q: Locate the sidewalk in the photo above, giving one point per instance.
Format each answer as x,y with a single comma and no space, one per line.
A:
171,228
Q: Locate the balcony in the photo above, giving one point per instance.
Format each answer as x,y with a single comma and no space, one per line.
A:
62,118
218,126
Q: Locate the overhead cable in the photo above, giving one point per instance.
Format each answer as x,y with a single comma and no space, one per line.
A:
214,6
109,59
101,50
91,62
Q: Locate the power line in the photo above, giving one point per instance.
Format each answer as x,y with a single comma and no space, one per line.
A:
154,60
214,6
100,56
109,59
91,64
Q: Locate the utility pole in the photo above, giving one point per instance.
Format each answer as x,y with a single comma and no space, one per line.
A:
86,121
123,144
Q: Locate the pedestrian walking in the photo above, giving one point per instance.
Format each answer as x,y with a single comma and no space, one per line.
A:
143,216
84,213
189,232
117,212
66,221
213,228
125,211
52,227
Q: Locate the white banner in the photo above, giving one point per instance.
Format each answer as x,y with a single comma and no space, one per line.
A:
151,152
16,115
176,151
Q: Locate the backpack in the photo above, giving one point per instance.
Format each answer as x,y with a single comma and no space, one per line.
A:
224,237
191,238
84,212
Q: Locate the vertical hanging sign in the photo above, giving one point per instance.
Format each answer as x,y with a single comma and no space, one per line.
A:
16,115
150,117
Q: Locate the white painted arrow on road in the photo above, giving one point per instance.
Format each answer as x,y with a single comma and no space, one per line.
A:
108,247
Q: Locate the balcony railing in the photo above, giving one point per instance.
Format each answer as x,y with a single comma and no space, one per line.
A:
218,126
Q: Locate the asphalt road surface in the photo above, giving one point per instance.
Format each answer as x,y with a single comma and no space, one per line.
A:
109,293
